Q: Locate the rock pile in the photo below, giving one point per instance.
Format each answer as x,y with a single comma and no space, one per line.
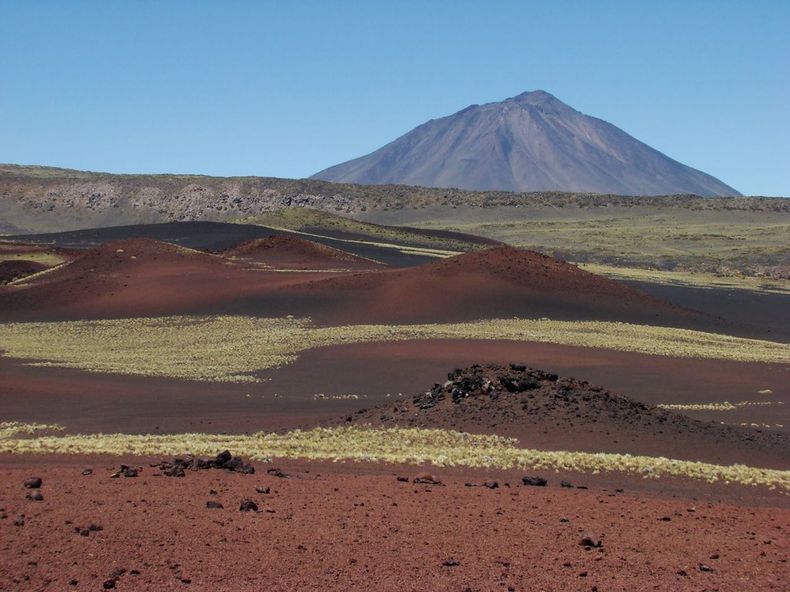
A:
224,460
517,401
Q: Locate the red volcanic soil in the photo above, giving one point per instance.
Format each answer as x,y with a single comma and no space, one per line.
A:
325,526
289,252
139,277
495,283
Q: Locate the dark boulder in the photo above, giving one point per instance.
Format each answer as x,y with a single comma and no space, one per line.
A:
534,481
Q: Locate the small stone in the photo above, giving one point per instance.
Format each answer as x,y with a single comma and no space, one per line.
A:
427,479
36,496
73,582
682,572
248,506
703,567
87,472
127,471
263,490
566,484
403,479
591,540
214,505
32,483
95,527
451,562
222,458
274,472
491,484
534,481
108,584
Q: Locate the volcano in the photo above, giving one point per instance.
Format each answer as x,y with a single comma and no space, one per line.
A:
531,142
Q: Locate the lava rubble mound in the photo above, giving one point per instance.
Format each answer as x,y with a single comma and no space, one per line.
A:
518,401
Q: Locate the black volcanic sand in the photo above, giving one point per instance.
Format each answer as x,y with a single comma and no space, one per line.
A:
14,269
220,236
747,313
389,375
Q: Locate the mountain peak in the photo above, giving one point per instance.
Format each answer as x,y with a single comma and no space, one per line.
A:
530,142
535,97
541,100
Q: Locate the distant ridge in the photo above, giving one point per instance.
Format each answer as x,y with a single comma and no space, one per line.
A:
531,142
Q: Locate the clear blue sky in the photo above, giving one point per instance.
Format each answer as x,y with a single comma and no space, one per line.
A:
288,88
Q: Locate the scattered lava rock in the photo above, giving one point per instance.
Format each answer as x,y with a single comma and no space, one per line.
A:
534,481
427,479
248,506
32,483
36,496
178,467
263,490
125,471
214,505
591,540
87,472
491,484
566,484
274,472
451,562
116,574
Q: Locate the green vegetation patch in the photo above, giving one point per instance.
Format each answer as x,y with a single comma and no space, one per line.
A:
699,238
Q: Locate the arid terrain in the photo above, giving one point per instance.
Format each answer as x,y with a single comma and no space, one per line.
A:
394,296
405,408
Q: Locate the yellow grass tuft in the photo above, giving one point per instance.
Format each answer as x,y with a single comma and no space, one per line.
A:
230,349
445,448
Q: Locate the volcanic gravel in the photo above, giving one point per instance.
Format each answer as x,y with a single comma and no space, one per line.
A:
358,527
